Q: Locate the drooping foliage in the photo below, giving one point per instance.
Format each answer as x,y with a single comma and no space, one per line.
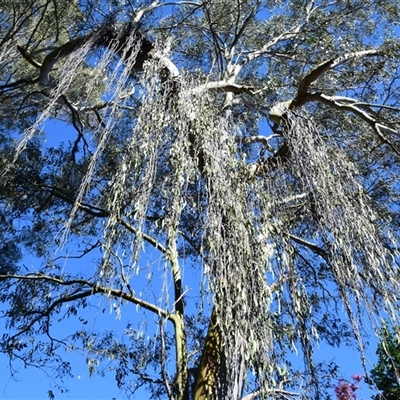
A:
230,168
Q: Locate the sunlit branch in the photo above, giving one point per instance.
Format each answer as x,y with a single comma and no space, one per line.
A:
156,4
293,198
225,86
180,332
325,66
264,140
288,34
363,104
121,265
283,36
146,237
361,109
95,288
378,127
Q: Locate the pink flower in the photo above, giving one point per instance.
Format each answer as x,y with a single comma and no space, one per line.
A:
357,377
347,390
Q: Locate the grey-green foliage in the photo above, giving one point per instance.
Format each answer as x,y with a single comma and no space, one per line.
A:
168,173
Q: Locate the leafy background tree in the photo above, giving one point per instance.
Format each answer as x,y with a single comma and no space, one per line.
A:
231,186
386,373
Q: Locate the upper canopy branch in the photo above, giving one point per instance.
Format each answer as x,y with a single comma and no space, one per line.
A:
303,96
340,103
239,30
107,36
264,140
325,66
290,33
103,37
362,110
225,86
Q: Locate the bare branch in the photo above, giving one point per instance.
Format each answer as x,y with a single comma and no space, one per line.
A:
325,66
264,140
225,86
380,129
288,34
316,249
95,288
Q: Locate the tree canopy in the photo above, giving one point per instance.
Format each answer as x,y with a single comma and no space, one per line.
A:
230,185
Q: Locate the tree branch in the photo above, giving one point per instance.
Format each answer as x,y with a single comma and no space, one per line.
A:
95,288
225,86
325,66
338,103
102,213
316,249
264,140
28,57
239,33
282,393
288,34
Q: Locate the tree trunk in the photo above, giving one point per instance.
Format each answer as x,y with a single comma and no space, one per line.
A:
222,369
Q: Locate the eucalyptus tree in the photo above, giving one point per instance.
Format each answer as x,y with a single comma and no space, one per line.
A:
232,177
